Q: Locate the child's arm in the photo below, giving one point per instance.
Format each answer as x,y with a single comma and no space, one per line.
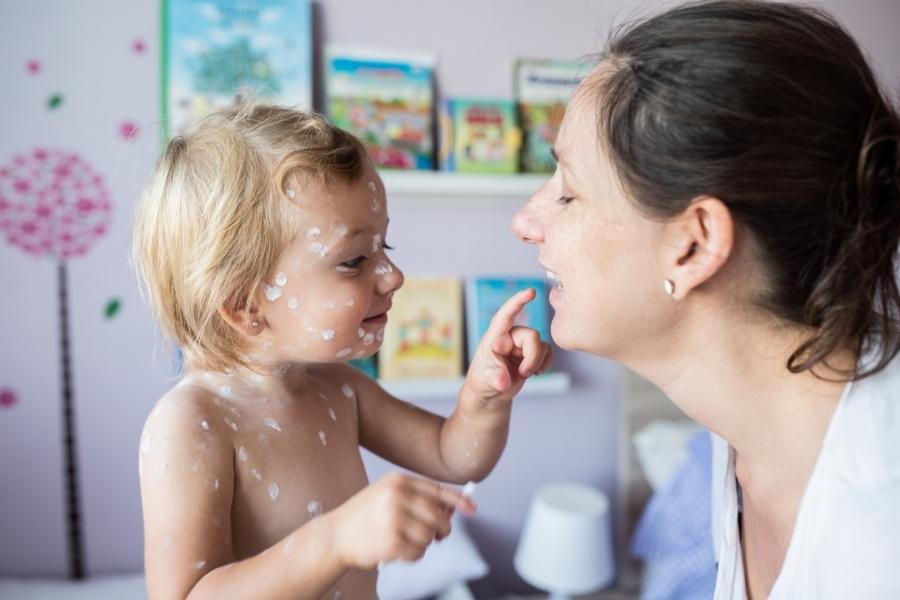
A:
466,445
187,489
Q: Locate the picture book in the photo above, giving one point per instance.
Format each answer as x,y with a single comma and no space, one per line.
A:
424,334
484,136
485,296
385,98
542,89
217,52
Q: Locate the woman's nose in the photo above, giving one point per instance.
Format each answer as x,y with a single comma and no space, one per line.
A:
527,224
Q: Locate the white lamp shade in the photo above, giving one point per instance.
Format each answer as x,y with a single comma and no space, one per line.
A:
566,545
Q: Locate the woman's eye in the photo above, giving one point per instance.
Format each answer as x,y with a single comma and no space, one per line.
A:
353,264
565,199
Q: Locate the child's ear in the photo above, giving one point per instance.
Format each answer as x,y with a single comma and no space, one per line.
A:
698,244
247,320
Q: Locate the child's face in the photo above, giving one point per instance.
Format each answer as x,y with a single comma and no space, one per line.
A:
328,296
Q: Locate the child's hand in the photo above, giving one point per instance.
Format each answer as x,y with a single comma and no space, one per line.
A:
395,518
507,354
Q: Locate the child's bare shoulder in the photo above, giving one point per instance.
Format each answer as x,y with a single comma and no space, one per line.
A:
339,378
190,416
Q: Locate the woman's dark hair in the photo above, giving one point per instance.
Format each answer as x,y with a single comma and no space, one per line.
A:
773,109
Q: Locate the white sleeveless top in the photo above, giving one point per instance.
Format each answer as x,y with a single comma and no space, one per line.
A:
846,540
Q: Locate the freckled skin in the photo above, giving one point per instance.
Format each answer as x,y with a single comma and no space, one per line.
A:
269,499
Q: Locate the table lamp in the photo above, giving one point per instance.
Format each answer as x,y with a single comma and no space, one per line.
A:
566,545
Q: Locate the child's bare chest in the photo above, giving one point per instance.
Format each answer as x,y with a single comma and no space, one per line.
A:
292,463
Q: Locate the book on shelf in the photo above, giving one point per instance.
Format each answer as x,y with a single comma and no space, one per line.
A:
216,54
479,136
386,99
485,296
542,89
424,334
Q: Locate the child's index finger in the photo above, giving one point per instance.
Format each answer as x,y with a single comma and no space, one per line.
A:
505,317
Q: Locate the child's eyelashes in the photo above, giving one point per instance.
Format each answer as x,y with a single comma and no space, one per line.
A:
565,199
357,264
354,264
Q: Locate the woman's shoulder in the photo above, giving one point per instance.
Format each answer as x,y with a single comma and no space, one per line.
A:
866,436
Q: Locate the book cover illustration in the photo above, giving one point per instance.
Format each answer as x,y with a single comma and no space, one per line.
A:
217,52
387,99
485,296
543,88
484,136
424,334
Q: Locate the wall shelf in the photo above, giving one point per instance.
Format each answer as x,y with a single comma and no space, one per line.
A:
440,185
542,385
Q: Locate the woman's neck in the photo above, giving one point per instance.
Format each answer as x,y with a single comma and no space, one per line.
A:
728,372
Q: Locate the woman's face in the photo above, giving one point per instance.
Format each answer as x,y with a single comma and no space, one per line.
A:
608,298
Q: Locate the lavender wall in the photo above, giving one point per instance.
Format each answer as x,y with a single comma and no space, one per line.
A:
86,53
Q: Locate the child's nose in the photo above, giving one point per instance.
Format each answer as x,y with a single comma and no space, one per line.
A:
390,281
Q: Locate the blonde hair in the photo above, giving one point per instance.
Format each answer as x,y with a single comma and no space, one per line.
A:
216,215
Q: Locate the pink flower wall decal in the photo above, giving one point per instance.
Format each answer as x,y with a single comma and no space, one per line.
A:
52,203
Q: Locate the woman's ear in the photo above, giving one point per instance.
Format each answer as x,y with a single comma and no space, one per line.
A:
247,320
698,243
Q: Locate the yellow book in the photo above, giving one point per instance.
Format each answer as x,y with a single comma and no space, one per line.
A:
424,334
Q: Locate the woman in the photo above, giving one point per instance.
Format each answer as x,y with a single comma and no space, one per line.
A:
724,220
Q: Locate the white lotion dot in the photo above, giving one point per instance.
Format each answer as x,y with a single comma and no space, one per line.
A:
379,335
382,268
360,333
341,230
376,243
328,335
332,414
256,474
323,438
226,390
273,292
349,301
270,422
281,280
316,247
369,339
273,491
313,233
216,484
291,194
145,443
329,305
231,423
242,453
347,390
292,303
199,564
314,507
344,352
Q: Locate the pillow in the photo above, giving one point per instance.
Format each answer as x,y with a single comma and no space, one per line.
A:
452,560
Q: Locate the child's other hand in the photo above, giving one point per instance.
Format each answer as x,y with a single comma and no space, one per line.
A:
508,354
395,518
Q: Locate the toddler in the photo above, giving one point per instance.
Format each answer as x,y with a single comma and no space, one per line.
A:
260,240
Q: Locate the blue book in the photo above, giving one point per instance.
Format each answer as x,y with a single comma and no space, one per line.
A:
485,295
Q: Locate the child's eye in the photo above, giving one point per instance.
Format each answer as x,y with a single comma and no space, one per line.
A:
352,265
386,246
565,199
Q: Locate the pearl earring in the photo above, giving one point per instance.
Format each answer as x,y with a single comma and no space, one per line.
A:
669,286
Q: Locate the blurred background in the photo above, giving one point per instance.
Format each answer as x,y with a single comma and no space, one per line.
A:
83,113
